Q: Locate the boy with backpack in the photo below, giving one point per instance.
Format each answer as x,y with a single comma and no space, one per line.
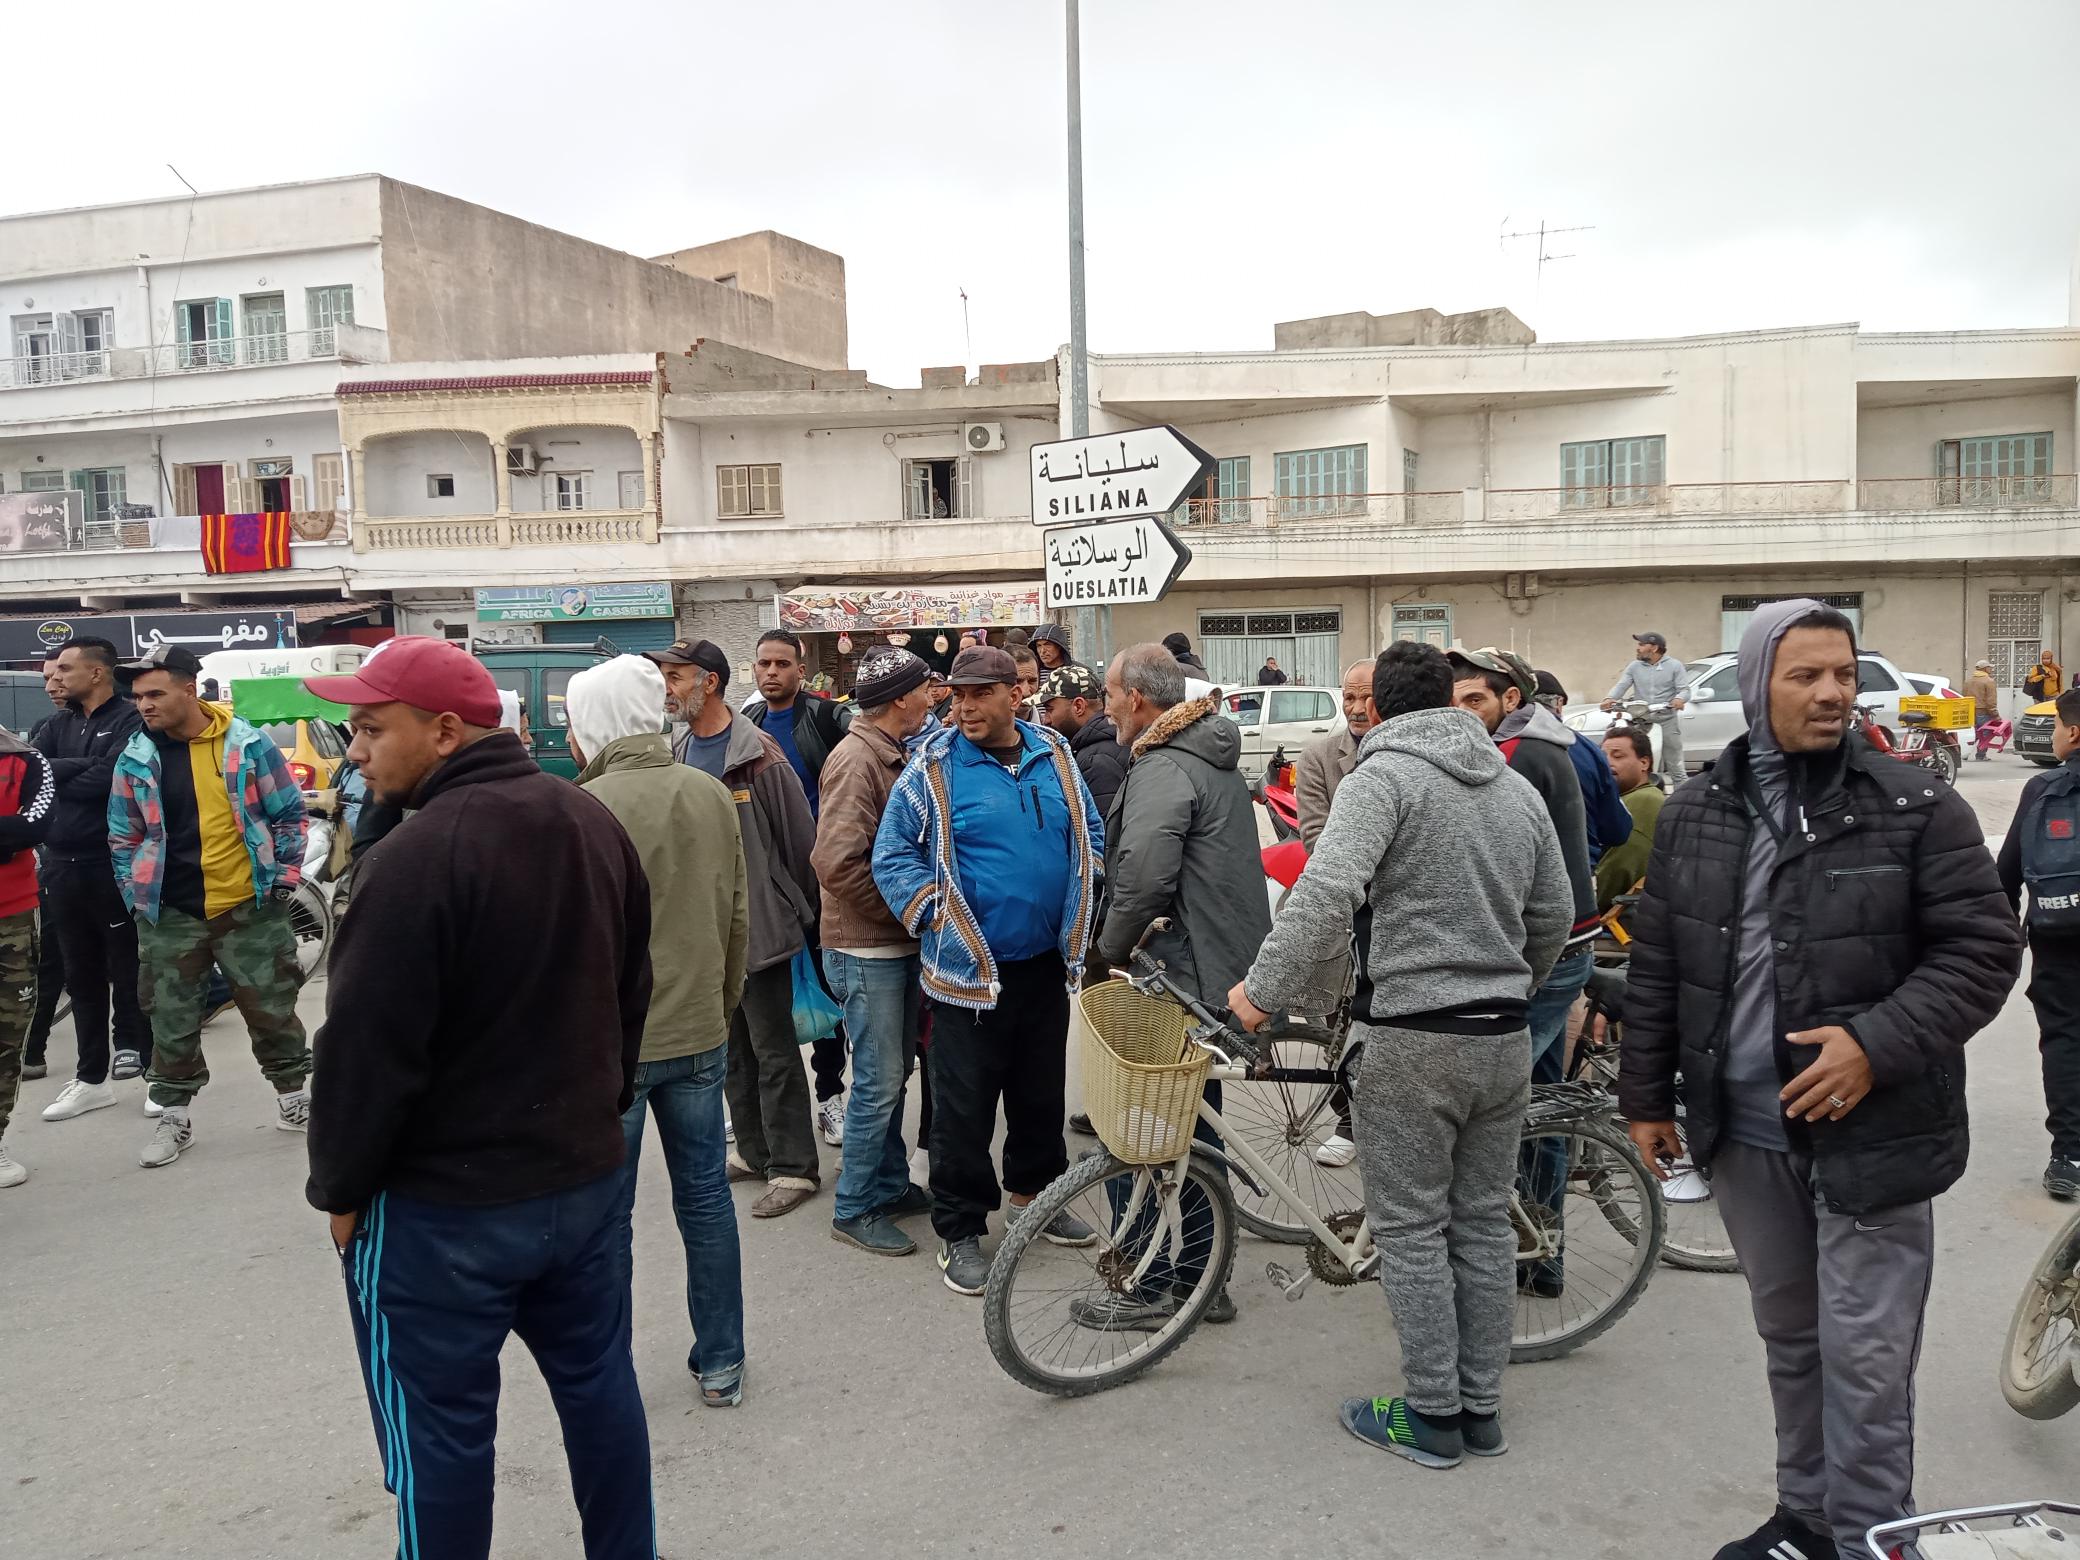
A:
2042,850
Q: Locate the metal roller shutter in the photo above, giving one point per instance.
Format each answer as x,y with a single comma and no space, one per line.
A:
633,635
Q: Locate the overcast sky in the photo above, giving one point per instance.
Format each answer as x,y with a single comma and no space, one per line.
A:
1911,164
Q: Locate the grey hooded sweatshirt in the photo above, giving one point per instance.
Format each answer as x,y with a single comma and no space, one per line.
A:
1457,862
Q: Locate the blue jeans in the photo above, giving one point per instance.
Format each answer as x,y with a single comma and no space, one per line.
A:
880,998
686,1093
1545,1168
434,1290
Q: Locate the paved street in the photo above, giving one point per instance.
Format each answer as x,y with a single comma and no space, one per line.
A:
179,1380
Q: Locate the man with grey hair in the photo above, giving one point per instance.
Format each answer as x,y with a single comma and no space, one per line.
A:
1325,761
1180,842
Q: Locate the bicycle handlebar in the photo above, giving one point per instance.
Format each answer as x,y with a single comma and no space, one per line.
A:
1217,1031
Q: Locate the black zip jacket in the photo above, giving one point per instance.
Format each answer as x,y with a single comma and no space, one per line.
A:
488,988
1102,760
1886,918
819,725
82,750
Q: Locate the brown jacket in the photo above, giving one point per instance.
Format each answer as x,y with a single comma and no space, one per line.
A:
854,788
1986,694
1325,763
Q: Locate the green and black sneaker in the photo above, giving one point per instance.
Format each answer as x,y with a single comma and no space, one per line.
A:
1391,1425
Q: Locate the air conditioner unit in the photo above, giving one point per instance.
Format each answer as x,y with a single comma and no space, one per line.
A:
982,436
520,460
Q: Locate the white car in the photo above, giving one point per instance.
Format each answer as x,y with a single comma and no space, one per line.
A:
1286,717
1713,716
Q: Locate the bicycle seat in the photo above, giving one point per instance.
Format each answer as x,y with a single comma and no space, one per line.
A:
1607,988
1916,718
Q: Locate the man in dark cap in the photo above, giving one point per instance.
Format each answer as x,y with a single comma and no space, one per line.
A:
1656,679
767,1089
1072,702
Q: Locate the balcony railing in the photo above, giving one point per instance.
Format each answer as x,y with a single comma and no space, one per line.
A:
560,528
187,357
162,533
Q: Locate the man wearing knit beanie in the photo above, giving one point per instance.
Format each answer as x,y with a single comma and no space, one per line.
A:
684,827
870,961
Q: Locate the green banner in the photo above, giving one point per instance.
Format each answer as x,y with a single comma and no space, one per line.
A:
568,603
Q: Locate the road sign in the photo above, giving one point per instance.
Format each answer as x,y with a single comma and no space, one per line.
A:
1109,476
1112,563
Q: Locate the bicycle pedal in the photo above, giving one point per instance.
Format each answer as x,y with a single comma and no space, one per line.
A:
1289,1286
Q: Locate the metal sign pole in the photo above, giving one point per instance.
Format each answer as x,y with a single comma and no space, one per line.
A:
1093,628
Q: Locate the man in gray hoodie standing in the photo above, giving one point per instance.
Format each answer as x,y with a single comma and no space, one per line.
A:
1446,865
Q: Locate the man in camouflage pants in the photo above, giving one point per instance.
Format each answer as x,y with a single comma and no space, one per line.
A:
27,797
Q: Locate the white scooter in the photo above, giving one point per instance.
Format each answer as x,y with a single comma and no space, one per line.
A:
1640,714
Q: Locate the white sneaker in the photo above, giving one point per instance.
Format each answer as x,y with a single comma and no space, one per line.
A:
77,1098
292,1111
170,1139
12,1171
1336,1153
830,1120
151,1106
1685,1184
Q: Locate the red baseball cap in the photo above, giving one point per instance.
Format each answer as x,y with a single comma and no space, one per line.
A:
428,674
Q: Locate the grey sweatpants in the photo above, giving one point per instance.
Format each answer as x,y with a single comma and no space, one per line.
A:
1438,1121
1839,1302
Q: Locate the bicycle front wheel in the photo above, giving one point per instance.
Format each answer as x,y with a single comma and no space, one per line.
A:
1590,1228
1071,1321
2037,1366
1289,1126
310,918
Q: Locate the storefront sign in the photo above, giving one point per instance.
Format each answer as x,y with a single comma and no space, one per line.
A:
31,639
823,609
565,603
35,522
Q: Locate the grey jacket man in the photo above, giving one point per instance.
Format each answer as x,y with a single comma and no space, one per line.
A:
1181,842
1654,682
779,833
1323,764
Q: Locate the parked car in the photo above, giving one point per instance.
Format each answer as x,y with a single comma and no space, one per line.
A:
540,675
1285,717
2033,728
23,703
1932,686
1713,716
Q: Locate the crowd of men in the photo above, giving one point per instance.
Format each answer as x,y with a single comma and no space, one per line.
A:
1818,931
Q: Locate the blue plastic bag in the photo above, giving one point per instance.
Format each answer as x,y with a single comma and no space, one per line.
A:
815,1014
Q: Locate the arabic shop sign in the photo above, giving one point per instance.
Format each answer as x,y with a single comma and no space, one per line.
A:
570,603
830,609
31,639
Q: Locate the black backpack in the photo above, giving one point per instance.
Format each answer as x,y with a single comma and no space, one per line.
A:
2051,853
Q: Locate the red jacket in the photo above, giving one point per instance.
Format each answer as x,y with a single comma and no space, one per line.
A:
28,796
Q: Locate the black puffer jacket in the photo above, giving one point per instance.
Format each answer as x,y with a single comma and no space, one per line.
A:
1886,917
1102,760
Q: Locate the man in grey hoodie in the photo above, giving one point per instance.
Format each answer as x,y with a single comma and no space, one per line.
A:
1446,866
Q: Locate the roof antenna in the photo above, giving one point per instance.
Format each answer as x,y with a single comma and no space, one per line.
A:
1541,233
967,335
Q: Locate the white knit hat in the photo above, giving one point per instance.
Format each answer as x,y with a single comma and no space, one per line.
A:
623,697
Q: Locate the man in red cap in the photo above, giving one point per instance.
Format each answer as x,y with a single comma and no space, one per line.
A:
483,1021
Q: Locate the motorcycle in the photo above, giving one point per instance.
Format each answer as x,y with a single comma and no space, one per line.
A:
1936,751
1285,860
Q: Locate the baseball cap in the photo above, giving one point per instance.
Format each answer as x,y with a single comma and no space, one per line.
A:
704,653
1490,659
1650,637
162,657
1070,681
979,665
434,675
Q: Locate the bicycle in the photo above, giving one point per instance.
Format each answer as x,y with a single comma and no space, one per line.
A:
2016,1530
1071,1321
2040,1362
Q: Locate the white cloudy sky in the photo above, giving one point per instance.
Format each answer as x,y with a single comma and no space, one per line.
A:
1905,163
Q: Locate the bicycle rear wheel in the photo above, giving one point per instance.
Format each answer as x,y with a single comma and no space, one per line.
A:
1697,1237
1070,1321
310,918
2037,1364
1612,1227
1287,1124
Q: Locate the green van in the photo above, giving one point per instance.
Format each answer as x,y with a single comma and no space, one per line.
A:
540,674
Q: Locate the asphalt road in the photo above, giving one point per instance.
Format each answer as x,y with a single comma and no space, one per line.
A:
178,1379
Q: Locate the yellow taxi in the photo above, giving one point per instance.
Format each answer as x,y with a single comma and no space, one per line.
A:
2033,728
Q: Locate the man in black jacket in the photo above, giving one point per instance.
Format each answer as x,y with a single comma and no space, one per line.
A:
485,1011
97,938
1821,932
1072,701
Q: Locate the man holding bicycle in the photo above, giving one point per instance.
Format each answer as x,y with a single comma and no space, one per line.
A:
1655,679
1444,862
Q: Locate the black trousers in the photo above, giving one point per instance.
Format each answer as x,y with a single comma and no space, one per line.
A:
99,946
50,985
2054,991
1016,1052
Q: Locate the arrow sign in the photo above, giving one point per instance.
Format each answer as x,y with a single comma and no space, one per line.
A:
1113,562
1108,476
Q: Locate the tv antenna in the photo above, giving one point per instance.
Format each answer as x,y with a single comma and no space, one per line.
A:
1541,233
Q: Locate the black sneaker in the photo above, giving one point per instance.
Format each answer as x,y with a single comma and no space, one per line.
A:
1392,1426
1482,1434
873,1232
2061,1178
908,1203
1080,1122
1782,1537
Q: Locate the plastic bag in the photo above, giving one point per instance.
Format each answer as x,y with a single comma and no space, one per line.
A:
815,1014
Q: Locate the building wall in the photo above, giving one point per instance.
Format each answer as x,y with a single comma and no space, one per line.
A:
299,437
805,284
1900,441
604,452
278,218
398,468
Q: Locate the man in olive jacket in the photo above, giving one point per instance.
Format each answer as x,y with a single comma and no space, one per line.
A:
1821,931
684,828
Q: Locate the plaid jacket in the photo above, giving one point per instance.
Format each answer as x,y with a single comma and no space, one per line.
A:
264,796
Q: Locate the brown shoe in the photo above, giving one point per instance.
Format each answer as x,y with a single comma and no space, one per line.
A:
783,1196
739,1171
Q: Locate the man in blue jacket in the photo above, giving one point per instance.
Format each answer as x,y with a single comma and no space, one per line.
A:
988,853
1606,820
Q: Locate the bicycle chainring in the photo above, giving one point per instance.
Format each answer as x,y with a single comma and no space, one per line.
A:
1325,1265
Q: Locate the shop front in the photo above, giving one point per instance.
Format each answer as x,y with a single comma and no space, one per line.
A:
838,624
633,616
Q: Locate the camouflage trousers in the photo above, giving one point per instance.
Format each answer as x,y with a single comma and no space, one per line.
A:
255,948
18,953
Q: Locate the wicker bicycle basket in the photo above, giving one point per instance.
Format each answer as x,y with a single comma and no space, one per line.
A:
1141,1081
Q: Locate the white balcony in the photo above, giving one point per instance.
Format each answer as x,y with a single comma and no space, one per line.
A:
559,528
334,344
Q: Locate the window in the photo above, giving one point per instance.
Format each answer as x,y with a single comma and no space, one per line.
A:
1613,473
939,489
440,485
571,489
1408,472
43,481
1300,705
1245,709
267,328
94,334
51,347
556,682
1725,683
1222,499
1426,622
325,738
1321,482
1873,678
202,327
631,483
101,497
746,492
329,479
1734,611
2008,468
326,307
2014,633
1308,645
